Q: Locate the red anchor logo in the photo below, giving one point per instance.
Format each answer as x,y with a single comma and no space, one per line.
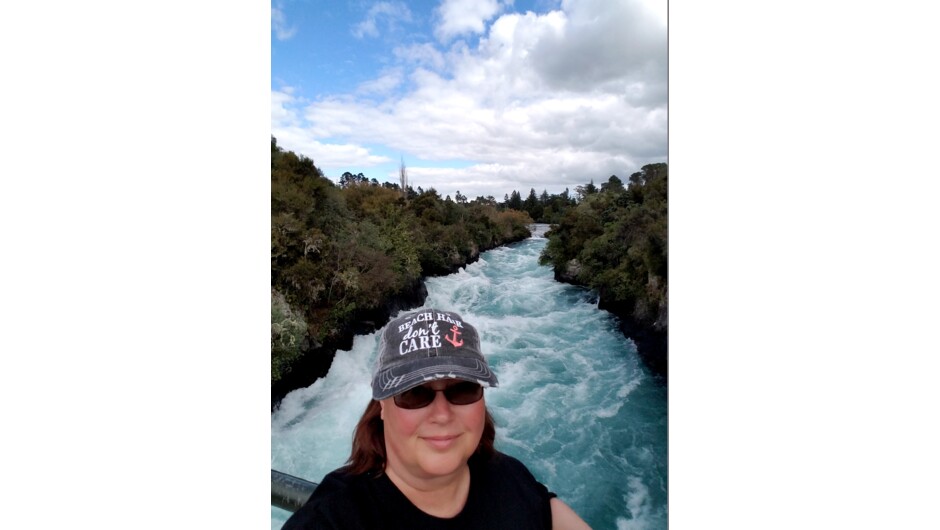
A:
454,341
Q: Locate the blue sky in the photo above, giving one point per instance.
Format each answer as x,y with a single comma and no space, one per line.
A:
480,96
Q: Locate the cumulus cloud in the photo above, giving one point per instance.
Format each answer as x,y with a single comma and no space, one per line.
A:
279,25
420,55
281,113
388,81
544,101
461,17
388,12
623,48
293,133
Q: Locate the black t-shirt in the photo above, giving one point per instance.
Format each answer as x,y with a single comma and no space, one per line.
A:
503,495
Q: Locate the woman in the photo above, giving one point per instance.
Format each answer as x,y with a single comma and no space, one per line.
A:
422,455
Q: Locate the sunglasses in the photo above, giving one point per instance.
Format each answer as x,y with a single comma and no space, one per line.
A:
462,393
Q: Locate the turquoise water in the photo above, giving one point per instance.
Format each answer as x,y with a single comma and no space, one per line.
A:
574,403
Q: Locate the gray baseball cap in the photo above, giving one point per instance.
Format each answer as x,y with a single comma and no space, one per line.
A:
425,345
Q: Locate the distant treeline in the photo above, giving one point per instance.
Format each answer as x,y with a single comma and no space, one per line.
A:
345,256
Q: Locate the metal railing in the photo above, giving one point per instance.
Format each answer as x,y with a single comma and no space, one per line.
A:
289,492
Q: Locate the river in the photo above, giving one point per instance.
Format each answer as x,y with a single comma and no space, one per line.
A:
575,403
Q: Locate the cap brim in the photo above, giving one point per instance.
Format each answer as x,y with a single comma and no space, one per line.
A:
403,377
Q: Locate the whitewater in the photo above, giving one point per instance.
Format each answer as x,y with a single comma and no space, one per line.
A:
575,403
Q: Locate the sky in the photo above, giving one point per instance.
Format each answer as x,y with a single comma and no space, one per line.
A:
479,96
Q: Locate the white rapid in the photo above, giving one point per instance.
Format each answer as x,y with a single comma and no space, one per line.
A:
574,403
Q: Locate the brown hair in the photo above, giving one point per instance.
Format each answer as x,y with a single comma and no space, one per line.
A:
368,446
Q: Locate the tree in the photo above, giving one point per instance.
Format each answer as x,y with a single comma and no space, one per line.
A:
586,190
403,178
515,201
617,243
532,205
613,184
348,179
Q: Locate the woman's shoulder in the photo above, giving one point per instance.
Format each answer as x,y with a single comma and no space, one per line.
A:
344,485
503,487
338,479
340,496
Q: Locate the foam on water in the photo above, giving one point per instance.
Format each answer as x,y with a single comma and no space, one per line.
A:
312,430
574,402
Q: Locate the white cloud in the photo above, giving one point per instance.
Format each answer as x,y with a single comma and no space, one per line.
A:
388,81
421,55
293,133
279,24
606,45
280,113
389,12
543,101
460,17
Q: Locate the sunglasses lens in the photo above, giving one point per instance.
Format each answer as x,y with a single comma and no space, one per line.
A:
463,393
415,398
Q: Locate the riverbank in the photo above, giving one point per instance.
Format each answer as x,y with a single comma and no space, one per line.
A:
315,360
651,338
652,344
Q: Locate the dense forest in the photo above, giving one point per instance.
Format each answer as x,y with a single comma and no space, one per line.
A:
346,256
615,242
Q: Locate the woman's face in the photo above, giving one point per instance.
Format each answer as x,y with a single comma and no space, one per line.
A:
432,441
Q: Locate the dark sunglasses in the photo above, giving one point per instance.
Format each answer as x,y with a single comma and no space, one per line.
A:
462,393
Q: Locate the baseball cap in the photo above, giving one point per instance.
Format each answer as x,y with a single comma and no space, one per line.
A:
425,345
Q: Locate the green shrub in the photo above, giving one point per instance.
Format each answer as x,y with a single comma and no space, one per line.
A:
287,333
